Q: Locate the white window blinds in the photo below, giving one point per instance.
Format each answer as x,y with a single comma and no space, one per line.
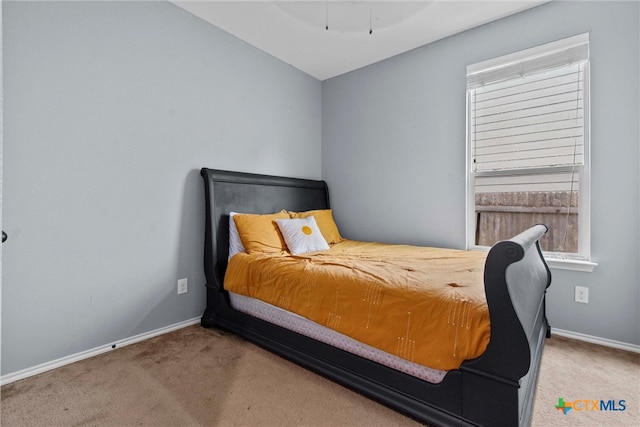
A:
529,112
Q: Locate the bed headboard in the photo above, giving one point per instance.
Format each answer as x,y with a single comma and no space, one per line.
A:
227,191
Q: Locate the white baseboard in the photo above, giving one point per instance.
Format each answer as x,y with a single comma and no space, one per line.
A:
596,340
47,366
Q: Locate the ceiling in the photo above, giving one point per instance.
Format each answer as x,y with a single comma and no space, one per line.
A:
332,37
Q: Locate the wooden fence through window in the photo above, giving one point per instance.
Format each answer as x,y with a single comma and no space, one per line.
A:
500,216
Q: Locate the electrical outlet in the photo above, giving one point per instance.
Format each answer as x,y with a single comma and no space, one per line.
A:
182,286
582,294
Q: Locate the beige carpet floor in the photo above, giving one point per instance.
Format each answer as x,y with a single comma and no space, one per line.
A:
196,377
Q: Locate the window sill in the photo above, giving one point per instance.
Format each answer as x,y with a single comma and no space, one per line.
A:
571,264
557,263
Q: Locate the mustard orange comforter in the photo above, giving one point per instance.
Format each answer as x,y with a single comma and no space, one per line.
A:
426,305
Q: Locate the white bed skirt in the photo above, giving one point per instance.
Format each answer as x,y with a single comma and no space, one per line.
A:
303,326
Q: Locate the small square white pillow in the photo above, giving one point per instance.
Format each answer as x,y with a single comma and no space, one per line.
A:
235,244
302,235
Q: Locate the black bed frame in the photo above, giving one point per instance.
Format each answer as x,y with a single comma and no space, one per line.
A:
495,389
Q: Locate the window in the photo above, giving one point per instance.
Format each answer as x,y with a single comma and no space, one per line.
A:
528,147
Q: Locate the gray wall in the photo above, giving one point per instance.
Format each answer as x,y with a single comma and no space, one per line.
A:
110,110
394,151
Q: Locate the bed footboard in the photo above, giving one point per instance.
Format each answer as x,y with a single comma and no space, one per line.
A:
516,278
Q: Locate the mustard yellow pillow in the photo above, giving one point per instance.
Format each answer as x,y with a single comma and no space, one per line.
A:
326,224
260,233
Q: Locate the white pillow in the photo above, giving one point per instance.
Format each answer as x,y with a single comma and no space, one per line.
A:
235,244
302,235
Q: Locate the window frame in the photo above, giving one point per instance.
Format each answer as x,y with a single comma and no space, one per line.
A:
580,261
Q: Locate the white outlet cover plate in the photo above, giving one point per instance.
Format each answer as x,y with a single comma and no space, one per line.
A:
182,286
582,294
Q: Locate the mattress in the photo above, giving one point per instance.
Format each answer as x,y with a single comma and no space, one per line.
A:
425,305
303,326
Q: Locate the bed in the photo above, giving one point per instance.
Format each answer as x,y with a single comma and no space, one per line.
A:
495,388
